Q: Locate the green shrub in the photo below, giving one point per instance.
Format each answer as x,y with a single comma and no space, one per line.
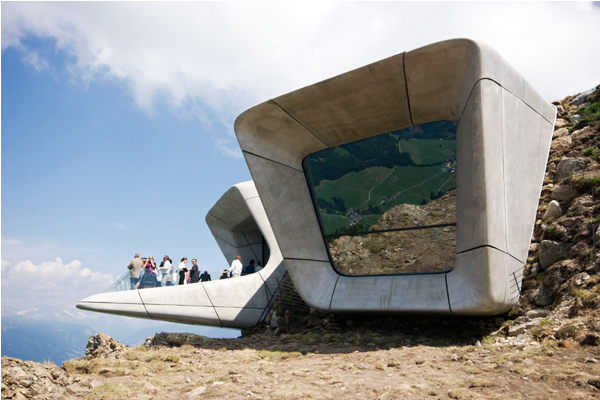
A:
374,245
588,114
585,184
590,152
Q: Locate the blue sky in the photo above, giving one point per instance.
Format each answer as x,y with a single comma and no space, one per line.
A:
89,173
117,118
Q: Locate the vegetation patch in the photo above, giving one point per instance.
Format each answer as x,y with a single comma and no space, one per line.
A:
566,332
588,114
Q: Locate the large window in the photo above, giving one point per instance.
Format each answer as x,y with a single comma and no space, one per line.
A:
387,204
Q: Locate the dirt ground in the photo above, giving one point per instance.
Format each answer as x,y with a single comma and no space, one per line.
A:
263,367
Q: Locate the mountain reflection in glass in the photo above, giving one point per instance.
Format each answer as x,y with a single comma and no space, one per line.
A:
387,204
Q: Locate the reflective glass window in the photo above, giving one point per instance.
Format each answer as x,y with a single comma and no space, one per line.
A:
387,204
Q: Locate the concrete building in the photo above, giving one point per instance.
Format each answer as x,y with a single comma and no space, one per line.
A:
502,140
240,226
407,185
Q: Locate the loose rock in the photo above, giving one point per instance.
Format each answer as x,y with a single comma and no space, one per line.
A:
32,380
563,193
581,98
544,296
101,345
559,124
568,166
550,252
562,143
561,132
553,211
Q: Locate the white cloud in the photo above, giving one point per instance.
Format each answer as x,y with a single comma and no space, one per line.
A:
226,57
25,284
229,147
36,61
10,242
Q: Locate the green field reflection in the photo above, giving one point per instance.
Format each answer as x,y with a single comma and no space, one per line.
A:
399,180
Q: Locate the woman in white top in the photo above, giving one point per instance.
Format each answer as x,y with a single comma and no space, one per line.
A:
182,270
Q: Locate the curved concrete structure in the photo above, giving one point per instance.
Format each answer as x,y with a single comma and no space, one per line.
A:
504,130
239,223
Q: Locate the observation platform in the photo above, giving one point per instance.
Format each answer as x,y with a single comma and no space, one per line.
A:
240,226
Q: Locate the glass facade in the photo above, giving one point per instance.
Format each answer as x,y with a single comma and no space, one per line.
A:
387,204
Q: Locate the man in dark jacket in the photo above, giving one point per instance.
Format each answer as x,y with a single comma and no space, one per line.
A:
194,272
249,269
205,277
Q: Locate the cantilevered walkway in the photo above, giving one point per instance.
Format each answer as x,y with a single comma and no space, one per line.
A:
240,226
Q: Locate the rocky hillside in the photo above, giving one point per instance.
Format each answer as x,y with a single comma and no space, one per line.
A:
547,347
423,250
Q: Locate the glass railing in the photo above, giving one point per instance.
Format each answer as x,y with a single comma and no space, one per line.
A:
123,283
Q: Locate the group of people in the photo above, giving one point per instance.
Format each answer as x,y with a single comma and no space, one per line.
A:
144,273
237,268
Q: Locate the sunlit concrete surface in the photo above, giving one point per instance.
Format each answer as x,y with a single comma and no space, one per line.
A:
504,130
239,223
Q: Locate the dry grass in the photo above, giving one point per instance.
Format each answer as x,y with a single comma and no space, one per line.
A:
352,373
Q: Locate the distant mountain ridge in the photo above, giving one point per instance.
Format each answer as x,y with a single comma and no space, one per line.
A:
42,339
47,334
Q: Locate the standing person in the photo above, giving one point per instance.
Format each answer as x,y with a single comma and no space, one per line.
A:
149,278
158,273
182,270
249,269
167,271
205,277
236,267
175,277
194,273
258,266
150,265
135,267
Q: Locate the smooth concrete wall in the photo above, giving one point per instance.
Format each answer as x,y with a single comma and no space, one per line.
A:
504,130
238,222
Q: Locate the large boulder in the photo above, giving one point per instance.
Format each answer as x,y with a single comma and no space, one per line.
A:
550,253
561,144
560,132
544,296
101,345
583,206
567,166
563,193
176,340
582,98
560,123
